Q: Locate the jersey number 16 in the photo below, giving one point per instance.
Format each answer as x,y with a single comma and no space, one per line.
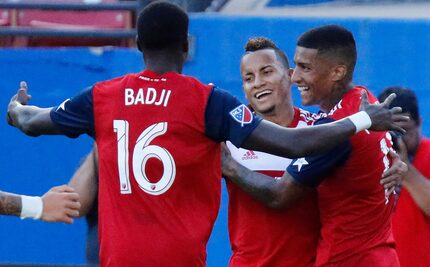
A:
142,152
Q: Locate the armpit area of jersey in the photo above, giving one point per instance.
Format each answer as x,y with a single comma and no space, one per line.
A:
75,116
226,118
311,171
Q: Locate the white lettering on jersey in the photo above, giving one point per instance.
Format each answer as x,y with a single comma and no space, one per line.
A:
148,96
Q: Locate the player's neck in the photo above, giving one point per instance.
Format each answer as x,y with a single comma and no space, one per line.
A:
163,62
281,116
339,90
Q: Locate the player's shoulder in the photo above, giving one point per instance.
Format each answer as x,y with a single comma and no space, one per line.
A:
303,117
193,81
350,102
116,80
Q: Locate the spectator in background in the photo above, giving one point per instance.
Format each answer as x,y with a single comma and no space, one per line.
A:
411,220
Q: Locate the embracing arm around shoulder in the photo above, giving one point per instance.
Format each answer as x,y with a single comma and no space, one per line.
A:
277,193
299,142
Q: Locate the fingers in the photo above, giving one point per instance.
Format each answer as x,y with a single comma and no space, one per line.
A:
389,99
364,97
391,181
72,213
400,118
62,188
23,85
74,205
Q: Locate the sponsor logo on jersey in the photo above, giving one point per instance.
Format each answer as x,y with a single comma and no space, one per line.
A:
249,155
242,115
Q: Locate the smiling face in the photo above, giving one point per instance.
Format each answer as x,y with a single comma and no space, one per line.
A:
266,81
316,77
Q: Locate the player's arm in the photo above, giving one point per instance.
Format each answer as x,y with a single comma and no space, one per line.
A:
85,182
298,142
59,204
415,182
72,117
301,175
276,193
224,121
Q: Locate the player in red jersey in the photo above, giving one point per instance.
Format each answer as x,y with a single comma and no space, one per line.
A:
258,234
158,135
354,209
59,204
411,219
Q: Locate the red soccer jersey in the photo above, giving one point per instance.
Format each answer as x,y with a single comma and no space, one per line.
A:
411,227
356,221
261,236
159,186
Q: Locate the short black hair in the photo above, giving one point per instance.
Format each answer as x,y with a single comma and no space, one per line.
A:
161,25
405,98
260,43
333,40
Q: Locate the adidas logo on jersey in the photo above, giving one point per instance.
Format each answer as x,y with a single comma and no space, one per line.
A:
249,155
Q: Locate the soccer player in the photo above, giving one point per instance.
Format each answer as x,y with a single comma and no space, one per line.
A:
411,219
355,211
59,204
258,234
158,135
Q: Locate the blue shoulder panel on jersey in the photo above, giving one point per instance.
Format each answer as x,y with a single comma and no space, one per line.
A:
226,118
312,170
75,116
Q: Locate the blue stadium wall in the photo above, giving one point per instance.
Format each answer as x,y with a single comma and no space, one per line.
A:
390,52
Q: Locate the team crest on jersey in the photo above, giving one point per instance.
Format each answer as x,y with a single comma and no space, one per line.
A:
242,115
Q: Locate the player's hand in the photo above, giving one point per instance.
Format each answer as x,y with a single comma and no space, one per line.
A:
383,118
60,204
226,161
394,176
21,98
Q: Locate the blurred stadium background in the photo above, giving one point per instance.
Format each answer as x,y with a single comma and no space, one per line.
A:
60,51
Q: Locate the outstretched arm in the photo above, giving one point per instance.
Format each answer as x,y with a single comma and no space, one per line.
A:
85,182
59,204
298,142
31,120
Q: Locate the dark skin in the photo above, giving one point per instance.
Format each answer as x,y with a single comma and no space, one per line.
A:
266,137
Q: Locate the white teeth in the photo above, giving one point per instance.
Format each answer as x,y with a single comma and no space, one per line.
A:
258,95
303,88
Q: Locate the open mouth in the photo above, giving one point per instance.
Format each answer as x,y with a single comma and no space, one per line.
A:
262,94
303,88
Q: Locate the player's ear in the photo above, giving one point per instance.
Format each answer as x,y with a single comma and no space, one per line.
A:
339,72
138,45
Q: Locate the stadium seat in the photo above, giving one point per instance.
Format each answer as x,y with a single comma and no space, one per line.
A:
73,20
6,21
5,17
